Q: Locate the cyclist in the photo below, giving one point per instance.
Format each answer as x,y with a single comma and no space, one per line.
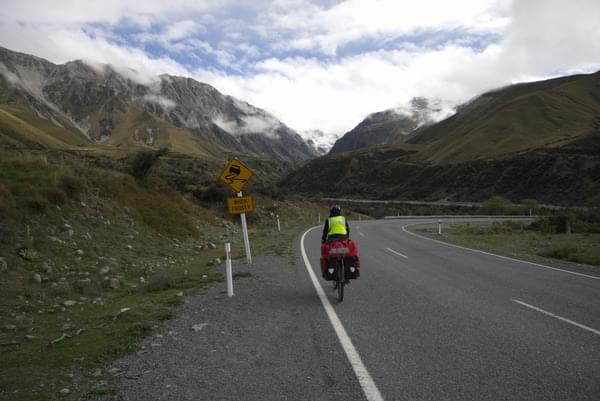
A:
336,227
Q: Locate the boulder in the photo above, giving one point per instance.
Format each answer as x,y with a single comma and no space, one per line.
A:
46,268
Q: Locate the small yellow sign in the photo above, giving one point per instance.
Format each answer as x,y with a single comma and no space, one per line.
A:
241,204
236,175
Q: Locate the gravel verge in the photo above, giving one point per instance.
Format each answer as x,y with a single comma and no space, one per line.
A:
270,341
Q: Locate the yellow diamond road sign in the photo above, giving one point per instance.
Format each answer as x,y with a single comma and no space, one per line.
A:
240,204
236,175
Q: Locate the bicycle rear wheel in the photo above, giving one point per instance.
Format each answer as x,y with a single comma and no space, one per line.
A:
340,279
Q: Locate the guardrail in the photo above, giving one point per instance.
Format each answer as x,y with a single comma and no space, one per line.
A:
458,216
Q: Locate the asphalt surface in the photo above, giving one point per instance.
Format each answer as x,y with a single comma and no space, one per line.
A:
270,341
429,322
441,323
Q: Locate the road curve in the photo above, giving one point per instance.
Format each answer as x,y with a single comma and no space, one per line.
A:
436,322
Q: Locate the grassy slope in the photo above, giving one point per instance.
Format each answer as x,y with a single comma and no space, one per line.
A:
64,227
64,223
537,140
514,119
522,242
17,126
132,131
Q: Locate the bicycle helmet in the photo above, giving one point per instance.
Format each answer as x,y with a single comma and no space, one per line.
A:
335,210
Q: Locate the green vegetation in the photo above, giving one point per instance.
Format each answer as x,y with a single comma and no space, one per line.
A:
536,140
96,259
542,239
497,205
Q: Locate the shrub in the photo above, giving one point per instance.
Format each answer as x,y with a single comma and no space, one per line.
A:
54,195
7,202
71,185
159,282
144,161
564,251
496,205
34,203
530,205
215,192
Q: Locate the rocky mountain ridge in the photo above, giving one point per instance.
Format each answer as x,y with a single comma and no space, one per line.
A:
532,140
121,107
395,125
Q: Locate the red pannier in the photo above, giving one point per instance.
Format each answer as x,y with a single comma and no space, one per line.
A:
346,249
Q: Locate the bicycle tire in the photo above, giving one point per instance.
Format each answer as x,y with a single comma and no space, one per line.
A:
340,279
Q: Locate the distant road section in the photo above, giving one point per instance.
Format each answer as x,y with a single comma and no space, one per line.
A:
425,203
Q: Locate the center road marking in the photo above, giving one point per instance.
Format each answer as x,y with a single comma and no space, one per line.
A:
360,370
397,253
564,319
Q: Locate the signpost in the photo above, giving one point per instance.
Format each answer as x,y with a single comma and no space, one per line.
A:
238,205
236,174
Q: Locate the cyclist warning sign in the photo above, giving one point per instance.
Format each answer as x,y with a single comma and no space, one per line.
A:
242,204
236,175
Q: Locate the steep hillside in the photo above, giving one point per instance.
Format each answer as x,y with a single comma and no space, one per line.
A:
518,118
390,126
123,108
560,176
538,140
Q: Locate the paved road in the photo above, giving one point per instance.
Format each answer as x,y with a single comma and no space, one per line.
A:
426,321
435,322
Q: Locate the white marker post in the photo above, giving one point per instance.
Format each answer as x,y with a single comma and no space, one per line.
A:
228,271
440,227
278,224
319,217
245,232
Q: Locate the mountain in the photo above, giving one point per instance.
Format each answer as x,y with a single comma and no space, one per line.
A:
536,140
391,126
321,141
82,103
517,118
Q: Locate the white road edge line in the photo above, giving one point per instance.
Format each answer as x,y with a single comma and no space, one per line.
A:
397,253
493,254
557,317
364,378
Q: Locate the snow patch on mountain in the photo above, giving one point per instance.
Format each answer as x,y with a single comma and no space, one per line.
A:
320,140
424,111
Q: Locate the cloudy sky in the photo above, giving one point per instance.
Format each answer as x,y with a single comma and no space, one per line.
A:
319,64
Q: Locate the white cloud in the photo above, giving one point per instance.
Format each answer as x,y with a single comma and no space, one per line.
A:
319,64
251,124
11,77
182,29
67,12
162,101
329,28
